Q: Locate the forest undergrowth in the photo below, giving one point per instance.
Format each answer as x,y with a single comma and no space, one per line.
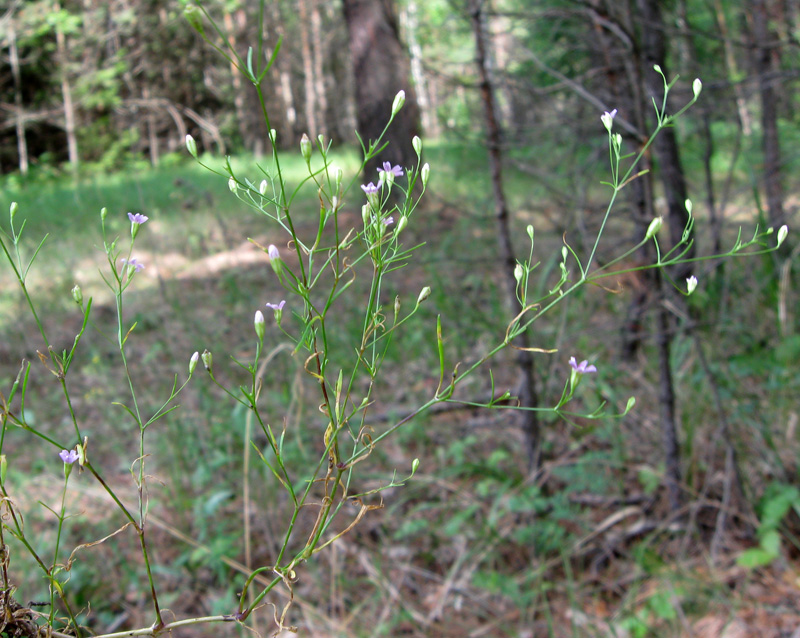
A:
473,545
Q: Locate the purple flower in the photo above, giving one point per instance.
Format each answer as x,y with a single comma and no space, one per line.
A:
583,367
387,221
273,253
369,189
276,306
396,170
137,218
68,456
139,266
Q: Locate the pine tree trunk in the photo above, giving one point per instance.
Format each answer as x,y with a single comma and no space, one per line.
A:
380,70
766,53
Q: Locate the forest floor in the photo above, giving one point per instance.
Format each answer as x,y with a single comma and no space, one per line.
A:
474,545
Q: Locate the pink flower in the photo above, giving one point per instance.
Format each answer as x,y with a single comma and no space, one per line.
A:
396,170
68,456
137,218
276,306
139,266
583,367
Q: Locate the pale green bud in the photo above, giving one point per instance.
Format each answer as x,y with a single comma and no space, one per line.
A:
258,325
417,144
233,185
3,468
191,146
424,294
305,148
365,214
519,272
321,140
564,253
103,213
193,362
262,187
399,100
77,294
654,227
783,231
529,230
697,86
657,69
194,17
13,210
688,204
208,360
402,224
425,173
273,135
414,466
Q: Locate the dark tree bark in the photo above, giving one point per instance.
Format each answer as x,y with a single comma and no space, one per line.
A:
381,69
653,52
766,65
526,390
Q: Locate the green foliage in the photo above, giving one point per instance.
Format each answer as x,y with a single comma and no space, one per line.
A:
776,503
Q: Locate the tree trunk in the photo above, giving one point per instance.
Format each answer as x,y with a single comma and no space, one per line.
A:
381,69
766,52
66,92
310,101
13,54
527,392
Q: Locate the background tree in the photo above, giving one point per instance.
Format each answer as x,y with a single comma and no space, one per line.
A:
380,70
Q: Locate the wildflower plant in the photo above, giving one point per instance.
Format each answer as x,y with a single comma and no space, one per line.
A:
316,271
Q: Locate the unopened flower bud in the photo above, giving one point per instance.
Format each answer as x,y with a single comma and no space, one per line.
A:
688,204
338,174
258,325
365,214
194,17
529,230
103,213
399,100
77,294
233,185
697,86
657,69
424,294
416,143
13,210
3,468
262,187
208,360
275,258
654,227
191,146
402,224
273,135
305,148
193,362
396,307
518,272
564,253
691,284
783,231
425,173
321,140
